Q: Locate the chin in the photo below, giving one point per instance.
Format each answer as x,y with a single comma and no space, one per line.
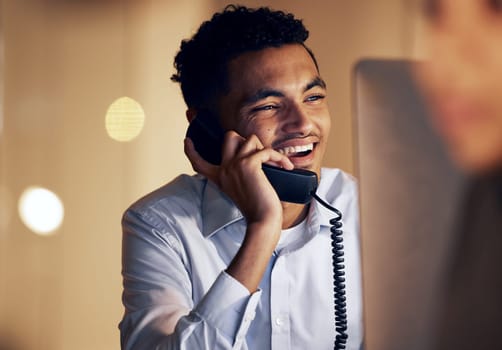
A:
477,158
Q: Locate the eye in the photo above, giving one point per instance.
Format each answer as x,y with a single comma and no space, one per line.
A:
264,108
314,98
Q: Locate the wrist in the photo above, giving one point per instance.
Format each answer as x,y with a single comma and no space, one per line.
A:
263,216
250,262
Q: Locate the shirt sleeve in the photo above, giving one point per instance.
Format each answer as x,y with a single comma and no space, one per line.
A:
159,311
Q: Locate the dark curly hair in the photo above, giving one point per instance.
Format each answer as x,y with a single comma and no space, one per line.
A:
202,60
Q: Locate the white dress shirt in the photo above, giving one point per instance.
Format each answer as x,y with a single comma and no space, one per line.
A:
177,242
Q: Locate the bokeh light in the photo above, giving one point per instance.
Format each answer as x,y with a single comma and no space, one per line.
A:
124,119
41,210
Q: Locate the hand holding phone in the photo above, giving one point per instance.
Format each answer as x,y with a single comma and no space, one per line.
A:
295,186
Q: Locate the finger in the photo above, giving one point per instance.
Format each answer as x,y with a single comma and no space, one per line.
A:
264,154
232,143
240,148
272,157
199,164
236,146
251,145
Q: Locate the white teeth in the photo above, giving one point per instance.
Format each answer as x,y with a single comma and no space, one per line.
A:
296,149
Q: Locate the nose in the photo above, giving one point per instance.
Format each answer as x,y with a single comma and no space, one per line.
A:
297,121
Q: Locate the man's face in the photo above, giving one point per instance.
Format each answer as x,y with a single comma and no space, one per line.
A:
277,94
463,79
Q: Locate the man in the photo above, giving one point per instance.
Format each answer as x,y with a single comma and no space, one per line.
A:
462,82
216,260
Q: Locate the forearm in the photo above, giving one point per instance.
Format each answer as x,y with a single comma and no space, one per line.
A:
163,310
217,321
250,262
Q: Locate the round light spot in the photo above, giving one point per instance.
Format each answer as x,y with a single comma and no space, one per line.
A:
124,119
41,210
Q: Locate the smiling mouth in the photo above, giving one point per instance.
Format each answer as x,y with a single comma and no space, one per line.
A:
297,151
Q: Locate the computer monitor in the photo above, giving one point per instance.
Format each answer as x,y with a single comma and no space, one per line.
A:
409,194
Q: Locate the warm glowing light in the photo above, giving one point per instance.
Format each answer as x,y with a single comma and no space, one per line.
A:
41,210
124,119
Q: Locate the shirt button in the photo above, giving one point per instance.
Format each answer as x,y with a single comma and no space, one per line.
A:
279,321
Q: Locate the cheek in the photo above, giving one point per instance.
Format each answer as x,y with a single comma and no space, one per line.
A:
324,124
266,132
267,135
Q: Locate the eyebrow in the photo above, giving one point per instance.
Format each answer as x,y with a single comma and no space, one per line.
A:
264,93
316,82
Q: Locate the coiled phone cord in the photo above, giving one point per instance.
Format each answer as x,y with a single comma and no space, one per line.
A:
338,276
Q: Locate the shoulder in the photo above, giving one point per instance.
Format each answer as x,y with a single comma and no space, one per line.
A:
182,194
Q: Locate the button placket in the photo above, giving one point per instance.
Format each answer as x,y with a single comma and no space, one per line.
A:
279,304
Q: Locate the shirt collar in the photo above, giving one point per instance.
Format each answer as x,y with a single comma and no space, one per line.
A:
320,213
218,211
317,211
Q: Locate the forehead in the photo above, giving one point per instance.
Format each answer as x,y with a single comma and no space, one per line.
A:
463,11
275,67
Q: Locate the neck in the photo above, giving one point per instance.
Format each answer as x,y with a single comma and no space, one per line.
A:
293,214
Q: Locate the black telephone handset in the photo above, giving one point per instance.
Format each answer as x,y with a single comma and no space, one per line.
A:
295,186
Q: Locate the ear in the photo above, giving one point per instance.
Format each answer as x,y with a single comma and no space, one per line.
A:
190,114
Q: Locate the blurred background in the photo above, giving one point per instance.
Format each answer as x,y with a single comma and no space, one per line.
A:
90,121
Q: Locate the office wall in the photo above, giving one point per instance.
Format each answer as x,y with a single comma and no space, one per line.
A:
64,63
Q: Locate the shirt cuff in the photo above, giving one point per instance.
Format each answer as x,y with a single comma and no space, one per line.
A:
229,307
